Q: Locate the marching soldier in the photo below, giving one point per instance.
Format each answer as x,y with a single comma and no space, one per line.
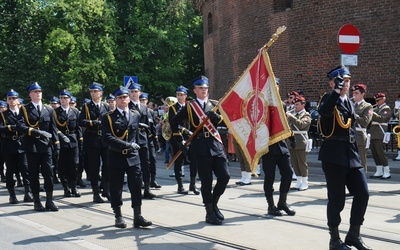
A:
181,95
70,133
111,101
379,124
300,121
120,132
363,111
95,149
341,161
36,122
11,148
152,140
134,104
206,148
55,103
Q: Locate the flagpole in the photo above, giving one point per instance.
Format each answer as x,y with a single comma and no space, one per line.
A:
274,37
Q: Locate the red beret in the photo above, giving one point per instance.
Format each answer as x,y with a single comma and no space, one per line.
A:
299,99
359,86
293,93
379,95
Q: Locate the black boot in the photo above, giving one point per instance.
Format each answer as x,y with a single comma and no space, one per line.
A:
181,189
146,193
27,197
192,186
67,191
96,195
217,213
80,181
353,238
106,190
272,209
74,191
119,220
138,220
13,198
49,202
211,218
282,205
153,183
335,243
37,205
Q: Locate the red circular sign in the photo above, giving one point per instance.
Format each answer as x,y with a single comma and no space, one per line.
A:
349,39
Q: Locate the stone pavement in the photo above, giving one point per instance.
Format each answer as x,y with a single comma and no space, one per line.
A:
178,220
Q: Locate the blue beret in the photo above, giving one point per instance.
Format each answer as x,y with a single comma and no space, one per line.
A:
200,81
121,91
33,86
21,101
12,92
341,71
277,80
65,93
144,96
181,89
135,86
54,100
110,97
96,85
73,99
3,104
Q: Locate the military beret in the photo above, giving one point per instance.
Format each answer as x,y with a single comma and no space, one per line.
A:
342,71
293,93
11,92
379,95
182,89
201,81
299,99
360,87
96,85
33,86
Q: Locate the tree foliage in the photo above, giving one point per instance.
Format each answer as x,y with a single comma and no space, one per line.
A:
71,43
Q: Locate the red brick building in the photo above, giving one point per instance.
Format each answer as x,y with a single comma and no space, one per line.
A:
235,29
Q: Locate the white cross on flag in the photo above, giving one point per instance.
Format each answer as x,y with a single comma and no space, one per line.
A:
253,111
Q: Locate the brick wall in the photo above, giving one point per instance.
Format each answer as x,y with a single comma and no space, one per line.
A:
308,48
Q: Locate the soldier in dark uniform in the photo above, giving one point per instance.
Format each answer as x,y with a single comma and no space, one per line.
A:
111,101
3,107
55,103
134,104
341,161
206,148
95,150
11,148
120,132
70,133
73,103
152,140
36,121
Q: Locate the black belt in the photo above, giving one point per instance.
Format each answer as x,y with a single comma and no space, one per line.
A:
13,137
203,134
68,132
350,139
96,132
124,152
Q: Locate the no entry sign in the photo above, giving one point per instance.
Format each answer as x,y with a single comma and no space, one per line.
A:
349,39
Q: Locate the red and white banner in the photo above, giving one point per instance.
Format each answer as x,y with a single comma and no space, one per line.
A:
253,111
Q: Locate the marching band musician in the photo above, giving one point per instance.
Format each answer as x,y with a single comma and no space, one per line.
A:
120,132
11,148
95,150
70,134
300,121
379,124
37,123
206,148
341,162
363,111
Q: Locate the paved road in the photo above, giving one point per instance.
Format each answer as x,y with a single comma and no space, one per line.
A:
179,219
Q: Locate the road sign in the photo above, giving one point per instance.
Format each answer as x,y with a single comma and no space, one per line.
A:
349,39
129,80
349,60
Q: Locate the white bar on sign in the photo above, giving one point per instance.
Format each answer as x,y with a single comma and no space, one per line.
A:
349,39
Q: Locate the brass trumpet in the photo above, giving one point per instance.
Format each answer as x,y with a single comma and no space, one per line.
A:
396,131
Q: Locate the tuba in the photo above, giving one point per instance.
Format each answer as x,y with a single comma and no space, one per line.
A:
166,128
396,131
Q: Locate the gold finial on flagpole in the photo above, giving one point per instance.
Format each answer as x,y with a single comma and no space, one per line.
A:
275,37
